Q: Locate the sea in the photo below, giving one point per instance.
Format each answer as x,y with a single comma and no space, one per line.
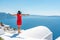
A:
52,22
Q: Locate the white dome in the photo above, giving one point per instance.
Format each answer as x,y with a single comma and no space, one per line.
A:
37,32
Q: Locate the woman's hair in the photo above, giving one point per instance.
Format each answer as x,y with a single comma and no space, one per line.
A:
19,12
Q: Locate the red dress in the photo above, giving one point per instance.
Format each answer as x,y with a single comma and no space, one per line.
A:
19,19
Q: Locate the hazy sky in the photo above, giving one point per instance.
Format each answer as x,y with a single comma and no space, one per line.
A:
33,7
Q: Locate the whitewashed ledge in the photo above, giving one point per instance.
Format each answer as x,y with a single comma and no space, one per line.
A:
1,32
39,32
36,33
58,38
28,38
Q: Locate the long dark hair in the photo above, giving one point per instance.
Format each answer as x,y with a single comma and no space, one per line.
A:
19,12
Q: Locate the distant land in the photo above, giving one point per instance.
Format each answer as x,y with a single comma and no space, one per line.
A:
3,14
46,16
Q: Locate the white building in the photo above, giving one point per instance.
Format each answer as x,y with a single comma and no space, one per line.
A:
58,38
39,32
36,33
1,31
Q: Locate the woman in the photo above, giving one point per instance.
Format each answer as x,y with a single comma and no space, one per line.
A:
19,21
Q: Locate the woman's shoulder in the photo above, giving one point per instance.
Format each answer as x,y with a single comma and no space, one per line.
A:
19,14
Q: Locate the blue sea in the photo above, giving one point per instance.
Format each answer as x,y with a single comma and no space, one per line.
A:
52,22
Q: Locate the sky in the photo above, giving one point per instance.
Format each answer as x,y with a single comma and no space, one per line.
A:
32,7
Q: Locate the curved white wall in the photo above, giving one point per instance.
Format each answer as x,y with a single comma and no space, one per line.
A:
41,32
